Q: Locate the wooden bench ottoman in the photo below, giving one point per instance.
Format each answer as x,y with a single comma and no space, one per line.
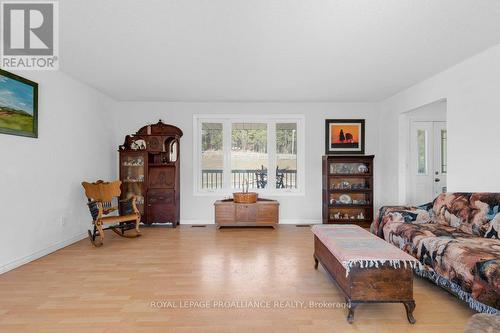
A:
365,268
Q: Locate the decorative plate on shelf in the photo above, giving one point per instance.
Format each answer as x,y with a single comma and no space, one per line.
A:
345,199
363,168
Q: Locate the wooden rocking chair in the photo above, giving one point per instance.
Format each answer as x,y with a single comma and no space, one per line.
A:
100,195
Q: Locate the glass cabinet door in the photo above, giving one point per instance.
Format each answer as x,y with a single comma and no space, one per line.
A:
132,176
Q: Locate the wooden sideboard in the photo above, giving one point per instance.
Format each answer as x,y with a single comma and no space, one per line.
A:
263,213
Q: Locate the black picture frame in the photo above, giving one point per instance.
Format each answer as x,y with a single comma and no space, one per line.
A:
8,110
347,148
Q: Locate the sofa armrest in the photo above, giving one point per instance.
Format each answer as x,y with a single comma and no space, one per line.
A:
399,214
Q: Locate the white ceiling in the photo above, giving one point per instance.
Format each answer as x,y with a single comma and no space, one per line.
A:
268,50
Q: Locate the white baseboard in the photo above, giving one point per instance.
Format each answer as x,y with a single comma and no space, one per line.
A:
282,221
300,221
197,222
38,254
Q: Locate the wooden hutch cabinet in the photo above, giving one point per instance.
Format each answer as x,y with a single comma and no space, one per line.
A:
150,170
348,190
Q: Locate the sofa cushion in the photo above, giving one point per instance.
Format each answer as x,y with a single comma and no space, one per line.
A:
398,214
408,235
471,262
472,213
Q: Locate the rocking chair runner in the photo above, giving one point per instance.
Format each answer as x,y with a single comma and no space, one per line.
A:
100,195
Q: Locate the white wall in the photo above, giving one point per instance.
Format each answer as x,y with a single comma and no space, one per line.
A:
471,90
128,117
40,178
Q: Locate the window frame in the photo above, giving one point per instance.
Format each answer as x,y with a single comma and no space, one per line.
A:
227,120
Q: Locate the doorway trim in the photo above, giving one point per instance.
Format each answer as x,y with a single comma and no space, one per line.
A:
404,124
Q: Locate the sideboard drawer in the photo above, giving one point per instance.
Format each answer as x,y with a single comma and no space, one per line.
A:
246,212
161,196
267,213
224,213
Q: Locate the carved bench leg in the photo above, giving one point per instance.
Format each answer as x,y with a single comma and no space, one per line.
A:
410,306
315,262
350,315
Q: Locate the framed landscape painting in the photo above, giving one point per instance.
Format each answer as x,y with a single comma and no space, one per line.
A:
18,105
344,136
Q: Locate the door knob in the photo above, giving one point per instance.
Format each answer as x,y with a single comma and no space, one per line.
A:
437,180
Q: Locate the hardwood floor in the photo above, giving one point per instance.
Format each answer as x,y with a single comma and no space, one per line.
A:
111,289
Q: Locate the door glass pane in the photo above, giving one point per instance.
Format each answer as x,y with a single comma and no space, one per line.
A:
249,158
286,155
421,152
212,156
444,153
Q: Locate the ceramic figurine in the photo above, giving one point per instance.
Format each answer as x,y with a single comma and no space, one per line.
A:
138,145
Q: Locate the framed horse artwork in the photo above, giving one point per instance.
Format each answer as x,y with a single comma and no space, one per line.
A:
344,136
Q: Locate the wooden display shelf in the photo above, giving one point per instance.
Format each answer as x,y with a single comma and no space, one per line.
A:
337,190
351,162
161,164
362,223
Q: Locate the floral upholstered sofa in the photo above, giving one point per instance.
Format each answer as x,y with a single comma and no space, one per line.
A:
455,238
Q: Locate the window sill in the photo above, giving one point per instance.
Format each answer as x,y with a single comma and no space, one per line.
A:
262,194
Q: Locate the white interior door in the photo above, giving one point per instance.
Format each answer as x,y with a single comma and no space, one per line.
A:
427,160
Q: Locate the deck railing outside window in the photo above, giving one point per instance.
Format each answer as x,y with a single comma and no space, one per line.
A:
257,178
